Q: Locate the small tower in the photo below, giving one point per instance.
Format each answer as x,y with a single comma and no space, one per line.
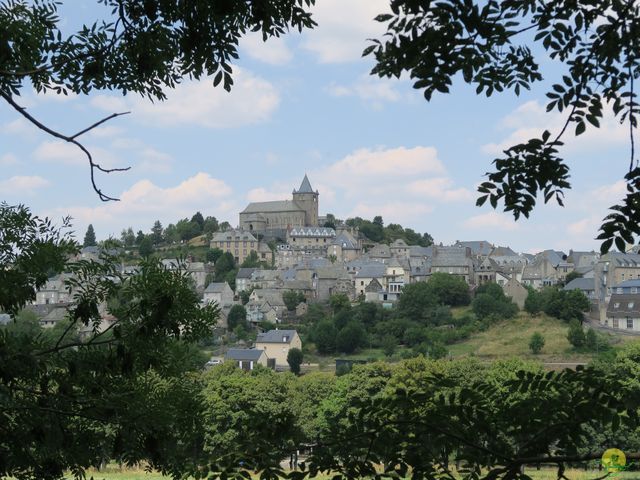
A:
307,199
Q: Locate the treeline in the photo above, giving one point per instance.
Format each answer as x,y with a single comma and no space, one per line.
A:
446,415
376,231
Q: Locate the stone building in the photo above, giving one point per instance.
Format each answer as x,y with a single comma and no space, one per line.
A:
273,219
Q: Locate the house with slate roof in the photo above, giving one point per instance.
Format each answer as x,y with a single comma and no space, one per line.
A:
273,219
246,358
345,246
453,260
585,285
239,243
479,248
277,343
623,312
220,293
365,274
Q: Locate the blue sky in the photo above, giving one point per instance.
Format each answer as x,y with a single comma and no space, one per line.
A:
306,104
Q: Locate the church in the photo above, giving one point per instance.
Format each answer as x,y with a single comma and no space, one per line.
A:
273,219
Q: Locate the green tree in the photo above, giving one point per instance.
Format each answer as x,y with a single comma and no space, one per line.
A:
145,247
536,343
292,299
339,302
572,276
252,260
388,343
139,237
156,233
324,336
236,317
224,264
533,304
449,289
489,45
210,225
213,254
106,391
417,302
294,359
89,237
576,335
351,337
128,237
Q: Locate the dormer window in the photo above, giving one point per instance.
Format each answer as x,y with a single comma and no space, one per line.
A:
285,339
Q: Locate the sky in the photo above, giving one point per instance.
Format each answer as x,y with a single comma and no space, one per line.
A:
306,104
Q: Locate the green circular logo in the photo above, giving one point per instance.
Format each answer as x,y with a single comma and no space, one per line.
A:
614,460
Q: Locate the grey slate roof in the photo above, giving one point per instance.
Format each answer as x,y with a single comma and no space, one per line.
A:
274,206
305,186
371,271
233,235
624,259
245,354
629,283
345,241
216,287
276,336
450,257
245,272
624,305
588,284
478,247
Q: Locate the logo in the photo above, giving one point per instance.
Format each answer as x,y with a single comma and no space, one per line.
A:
614,460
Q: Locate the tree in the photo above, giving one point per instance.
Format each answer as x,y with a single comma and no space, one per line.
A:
292,299
533,304
572,276
145,247
128,237
324,336
388,343
536,343
73,402
213,254
294,359
339,302
89,237
416,302
156,233
575,334
435,41
139,237
351,337
210,225
450,289
236,317
224,265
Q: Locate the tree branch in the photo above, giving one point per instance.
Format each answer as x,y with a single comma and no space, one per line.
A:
72,139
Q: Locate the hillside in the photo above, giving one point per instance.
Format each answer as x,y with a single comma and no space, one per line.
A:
511,338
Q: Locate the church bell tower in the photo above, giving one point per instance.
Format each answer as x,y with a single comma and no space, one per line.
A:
307,199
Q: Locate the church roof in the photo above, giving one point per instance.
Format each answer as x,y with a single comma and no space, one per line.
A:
305,186
276,206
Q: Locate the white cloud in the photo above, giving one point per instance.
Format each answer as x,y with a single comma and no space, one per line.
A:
8,159
274,51
263,195
371,90
607,195
375,167
145,202
439,188
343,28
20,184
252,100
491,221
530,119
19,127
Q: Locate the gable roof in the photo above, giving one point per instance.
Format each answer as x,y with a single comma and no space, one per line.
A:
245,272
276,336
478,247
305,186
275,206
217,287
245,354
581,284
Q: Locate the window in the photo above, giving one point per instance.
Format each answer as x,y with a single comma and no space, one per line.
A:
615,323
361,282
616,305
634,290
630,323
630,305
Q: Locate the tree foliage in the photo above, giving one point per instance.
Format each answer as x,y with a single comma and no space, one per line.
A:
89,237
536,343
122,391
294,359
488,45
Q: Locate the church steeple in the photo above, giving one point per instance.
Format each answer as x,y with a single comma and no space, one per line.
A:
305,186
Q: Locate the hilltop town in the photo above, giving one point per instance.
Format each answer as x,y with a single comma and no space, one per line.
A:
284,258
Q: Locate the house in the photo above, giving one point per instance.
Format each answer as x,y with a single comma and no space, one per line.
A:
453,260
479,248
313,238
585,285
365,274
516,291
277,343
399,248
344,247
246,358
623,312
239,243
372,291
220,293
198,273
243,279
54,291
332,280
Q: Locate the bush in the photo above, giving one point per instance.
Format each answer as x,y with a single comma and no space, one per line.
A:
294,359
576,335
388,344
536,343
351,337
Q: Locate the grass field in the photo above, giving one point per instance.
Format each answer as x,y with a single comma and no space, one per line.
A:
544,474
511,338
